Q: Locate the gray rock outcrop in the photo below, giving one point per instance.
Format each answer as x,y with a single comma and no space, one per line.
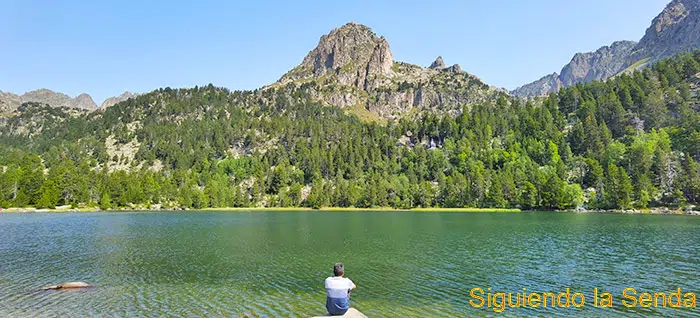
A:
351,52
584,67
109,102
438,64
676,29
601,64
540,87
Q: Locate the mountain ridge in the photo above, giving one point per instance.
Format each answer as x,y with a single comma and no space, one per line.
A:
676,29
9,102
583,67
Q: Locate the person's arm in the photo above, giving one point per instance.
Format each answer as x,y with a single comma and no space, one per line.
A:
352,285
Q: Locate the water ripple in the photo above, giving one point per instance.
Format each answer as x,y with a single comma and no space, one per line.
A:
274,264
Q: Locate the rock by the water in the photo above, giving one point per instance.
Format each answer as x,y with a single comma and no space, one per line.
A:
352,313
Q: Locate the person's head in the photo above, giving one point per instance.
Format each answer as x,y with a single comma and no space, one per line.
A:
338,269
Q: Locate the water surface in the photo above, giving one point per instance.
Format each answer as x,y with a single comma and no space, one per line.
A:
274,264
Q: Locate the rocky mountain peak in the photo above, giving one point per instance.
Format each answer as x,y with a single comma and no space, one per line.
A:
438,64
352,49
674,13
454,69
675,29
352,67
109,102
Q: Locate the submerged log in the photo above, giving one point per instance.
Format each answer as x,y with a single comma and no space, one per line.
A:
69,285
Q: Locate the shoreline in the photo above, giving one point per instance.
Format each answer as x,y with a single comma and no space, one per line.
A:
262,209
654,211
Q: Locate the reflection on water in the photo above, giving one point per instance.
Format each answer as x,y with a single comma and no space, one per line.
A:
273,264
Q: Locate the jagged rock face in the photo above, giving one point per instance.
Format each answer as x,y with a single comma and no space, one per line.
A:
352,52
601,64
543,86
584,67
353,67
9,102
109,102
675,29
454,69
438,64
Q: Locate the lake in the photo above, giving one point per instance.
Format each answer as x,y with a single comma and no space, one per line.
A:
273,264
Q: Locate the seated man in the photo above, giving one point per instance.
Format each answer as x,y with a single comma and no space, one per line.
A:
337,291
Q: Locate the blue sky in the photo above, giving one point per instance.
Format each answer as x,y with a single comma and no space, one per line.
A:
106,47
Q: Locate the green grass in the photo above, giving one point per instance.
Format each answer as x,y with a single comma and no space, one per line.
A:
290,209
300,209
634,66
32,209
255,209
363,114
490,210
376,209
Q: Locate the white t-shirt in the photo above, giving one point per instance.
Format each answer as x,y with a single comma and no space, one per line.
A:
338,287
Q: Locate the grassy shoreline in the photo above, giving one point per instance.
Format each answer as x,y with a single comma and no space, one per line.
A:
656,211
269,209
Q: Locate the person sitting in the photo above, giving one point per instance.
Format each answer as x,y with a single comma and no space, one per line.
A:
338,291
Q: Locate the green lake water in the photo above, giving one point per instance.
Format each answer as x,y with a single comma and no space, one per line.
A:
273,264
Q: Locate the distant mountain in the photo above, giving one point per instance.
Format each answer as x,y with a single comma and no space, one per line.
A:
584,67
9,102
353,68
676,29
109,102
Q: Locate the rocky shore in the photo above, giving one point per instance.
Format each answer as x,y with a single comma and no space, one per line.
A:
661,211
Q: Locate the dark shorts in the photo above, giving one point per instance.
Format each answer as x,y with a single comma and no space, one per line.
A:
337,306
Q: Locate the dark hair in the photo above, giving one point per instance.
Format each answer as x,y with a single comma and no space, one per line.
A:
338,269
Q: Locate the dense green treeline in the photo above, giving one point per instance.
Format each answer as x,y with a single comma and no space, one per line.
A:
632,141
